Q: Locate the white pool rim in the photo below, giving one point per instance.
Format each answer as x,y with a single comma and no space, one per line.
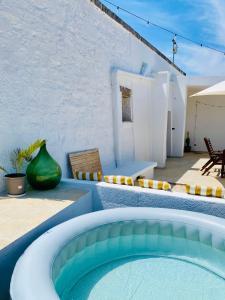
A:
32,276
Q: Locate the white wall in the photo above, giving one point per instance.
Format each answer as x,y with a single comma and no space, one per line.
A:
146,137
179,102
133,140
205,115
159,115
205,118
55,79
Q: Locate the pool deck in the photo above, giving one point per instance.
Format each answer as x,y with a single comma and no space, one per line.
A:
22,220
18,216
183,170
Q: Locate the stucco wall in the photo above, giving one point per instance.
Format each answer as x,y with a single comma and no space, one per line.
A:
179,103
159,115
55,75
133,140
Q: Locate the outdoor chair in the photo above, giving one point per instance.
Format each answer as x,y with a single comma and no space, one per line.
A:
216,158
85,161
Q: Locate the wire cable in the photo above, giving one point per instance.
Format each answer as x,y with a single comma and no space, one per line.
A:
210,105
163,28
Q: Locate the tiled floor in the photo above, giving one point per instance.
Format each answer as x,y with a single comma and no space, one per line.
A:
187,170
20,215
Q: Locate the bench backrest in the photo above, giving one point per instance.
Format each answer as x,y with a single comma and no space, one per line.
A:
85,161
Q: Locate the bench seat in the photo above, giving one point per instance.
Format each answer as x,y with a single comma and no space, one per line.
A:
133,169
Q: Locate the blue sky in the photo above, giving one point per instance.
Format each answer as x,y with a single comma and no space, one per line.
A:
201,20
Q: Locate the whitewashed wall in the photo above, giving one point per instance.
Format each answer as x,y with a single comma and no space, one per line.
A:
133,140
179,103
206,118
205,115
55,75
160,94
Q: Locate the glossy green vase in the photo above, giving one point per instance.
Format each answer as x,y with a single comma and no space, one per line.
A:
43,172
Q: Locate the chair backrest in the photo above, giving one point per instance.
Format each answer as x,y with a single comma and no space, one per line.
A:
85,161
209,146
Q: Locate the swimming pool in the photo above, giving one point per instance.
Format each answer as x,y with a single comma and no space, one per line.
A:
126,253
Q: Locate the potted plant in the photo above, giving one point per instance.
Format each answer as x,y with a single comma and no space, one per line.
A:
15,181
187,147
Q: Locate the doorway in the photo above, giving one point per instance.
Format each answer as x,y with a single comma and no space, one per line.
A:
169,134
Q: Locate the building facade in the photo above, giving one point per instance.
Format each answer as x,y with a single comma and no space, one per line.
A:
64,66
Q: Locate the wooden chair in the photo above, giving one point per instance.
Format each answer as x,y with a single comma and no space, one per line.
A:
216,158
211,152
85,161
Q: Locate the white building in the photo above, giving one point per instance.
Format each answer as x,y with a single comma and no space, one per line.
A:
65,67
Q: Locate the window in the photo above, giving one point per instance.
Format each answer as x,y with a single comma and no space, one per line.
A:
126,104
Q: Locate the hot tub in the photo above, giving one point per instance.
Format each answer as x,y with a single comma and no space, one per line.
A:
126,253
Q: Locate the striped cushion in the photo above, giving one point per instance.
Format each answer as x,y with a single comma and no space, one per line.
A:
96,176
154,184
119,180
205,191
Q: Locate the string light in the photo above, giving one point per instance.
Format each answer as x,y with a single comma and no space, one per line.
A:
210,105
148,22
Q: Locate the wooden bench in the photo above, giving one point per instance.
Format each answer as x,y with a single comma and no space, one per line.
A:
89,161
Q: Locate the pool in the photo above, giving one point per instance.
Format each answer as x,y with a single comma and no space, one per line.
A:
126,253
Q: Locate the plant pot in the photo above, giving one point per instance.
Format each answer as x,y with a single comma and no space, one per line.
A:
15,184
187,149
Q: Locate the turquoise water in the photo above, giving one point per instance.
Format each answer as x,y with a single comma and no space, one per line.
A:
127,262
155,278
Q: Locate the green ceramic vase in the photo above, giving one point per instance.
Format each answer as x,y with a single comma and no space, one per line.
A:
43,172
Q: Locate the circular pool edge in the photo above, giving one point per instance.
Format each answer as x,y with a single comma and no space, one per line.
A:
33,271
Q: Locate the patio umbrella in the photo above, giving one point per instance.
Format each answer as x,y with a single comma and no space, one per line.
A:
215,90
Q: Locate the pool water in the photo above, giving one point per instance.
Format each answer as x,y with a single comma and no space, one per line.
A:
127,261
155,278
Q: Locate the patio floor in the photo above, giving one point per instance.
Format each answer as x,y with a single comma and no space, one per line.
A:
181,171
18,216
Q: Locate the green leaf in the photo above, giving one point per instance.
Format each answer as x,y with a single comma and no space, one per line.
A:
18,156
15,161
26,154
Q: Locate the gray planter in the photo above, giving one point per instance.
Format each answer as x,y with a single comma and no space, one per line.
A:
15,184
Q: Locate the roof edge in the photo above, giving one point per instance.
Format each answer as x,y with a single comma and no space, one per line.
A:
112,15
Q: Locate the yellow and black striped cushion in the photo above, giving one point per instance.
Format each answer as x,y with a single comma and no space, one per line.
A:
96,176
119,180
154,184
205,191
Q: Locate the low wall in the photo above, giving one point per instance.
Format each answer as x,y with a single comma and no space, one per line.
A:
111,196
